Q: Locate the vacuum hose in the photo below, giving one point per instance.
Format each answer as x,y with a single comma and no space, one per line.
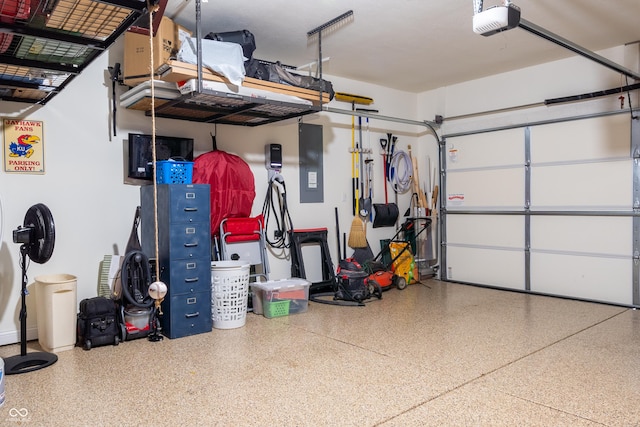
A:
136,277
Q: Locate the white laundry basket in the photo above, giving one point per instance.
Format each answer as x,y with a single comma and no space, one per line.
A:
229,293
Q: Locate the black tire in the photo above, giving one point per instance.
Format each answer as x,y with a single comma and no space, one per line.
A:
375,289
401,282
87,345
116,340
373,285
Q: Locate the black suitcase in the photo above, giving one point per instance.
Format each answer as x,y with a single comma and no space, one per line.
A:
98,323
243,37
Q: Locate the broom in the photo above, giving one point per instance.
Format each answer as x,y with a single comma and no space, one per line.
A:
357,233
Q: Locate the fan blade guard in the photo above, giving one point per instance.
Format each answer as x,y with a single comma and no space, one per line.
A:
39,219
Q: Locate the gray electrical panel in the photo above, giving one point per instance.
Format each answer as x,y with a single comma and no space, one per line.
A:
310,152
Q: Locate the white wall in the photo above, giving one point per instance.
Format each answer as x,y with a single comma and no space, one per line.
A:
463,105
93,208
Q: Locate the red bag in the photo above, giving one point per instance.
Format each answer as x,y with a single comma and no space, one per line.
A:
10,10
5,41
232,185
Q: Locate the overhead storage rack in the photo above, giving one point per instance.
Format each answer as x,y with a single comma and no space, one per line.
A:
44,44
210,98
212,106
255,103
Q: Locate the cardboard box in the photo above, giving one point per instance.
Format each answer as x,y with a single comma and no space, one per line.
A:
137,51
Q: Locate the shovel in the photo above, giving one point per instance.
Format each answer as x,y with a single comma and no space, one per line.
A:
364,206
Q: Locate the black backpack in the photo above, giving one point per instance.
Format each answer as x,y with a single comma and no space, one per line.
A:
98,323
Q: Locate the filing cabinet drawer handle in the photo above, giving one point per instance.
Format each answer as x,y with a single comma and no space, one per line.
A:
191,209
191,279
190,245
191,315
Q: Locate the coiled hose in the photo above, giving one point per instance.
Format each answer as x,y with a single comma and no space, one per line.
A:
400,172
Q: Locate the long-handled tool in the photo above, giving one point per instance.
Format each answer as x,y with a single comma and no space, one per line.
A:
390,169
362,209
357,233
383,145
338,233
355,167
115,75
368,162
415,182
368,177
388,157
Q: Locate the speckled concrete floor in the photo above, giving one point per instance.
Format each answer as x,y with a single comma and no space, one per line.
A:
433,354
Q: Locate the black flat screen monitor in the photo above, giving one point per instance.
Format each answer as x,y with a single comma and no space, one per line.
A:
141,155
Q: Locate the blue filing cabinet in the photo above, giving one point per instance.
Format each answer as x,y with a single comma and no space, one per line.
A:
184,254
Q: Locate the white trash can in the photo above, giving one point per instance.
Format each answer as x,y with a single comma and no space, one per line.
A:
229,293
56,306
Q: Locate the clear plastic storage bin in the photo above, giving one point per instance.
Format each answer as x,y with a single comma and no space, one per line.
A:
277,298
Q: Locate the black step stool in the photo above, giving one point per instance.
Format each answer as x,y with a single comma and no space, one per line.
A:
316,236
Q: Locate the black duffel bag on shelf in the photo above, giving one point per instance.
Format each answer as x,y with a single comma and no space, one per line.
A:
279,74
244,38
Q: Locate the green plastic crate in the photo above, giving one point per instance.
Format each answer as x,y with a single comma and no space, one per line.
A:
276,308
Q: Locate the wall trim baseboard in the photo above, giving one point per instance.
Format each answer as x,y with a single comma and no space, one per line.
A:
13,337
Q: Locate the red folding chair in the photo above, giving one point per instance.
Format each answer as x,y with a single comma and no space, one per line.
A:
243,239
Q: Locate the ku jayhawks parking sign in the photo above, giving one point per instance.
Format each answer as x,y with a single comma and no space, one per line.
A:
23,146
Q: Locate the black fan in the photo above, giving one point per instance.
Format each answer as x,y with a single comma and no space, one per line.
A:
37,236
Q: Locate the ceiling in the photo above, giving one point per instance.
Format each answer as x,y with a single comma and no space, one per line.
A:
413,45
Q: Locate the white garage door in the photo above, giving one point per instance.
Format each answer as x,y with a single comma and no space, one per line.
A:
544,209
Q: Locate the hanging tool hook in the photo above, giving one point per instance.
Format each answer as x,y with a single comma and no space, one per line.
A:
115,76
214,142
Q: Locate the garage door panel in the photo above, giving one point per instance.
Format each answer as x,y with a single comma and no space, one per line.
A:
585,277
597,138
486,230
486,188
586,185
596,235
470,151
487,267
